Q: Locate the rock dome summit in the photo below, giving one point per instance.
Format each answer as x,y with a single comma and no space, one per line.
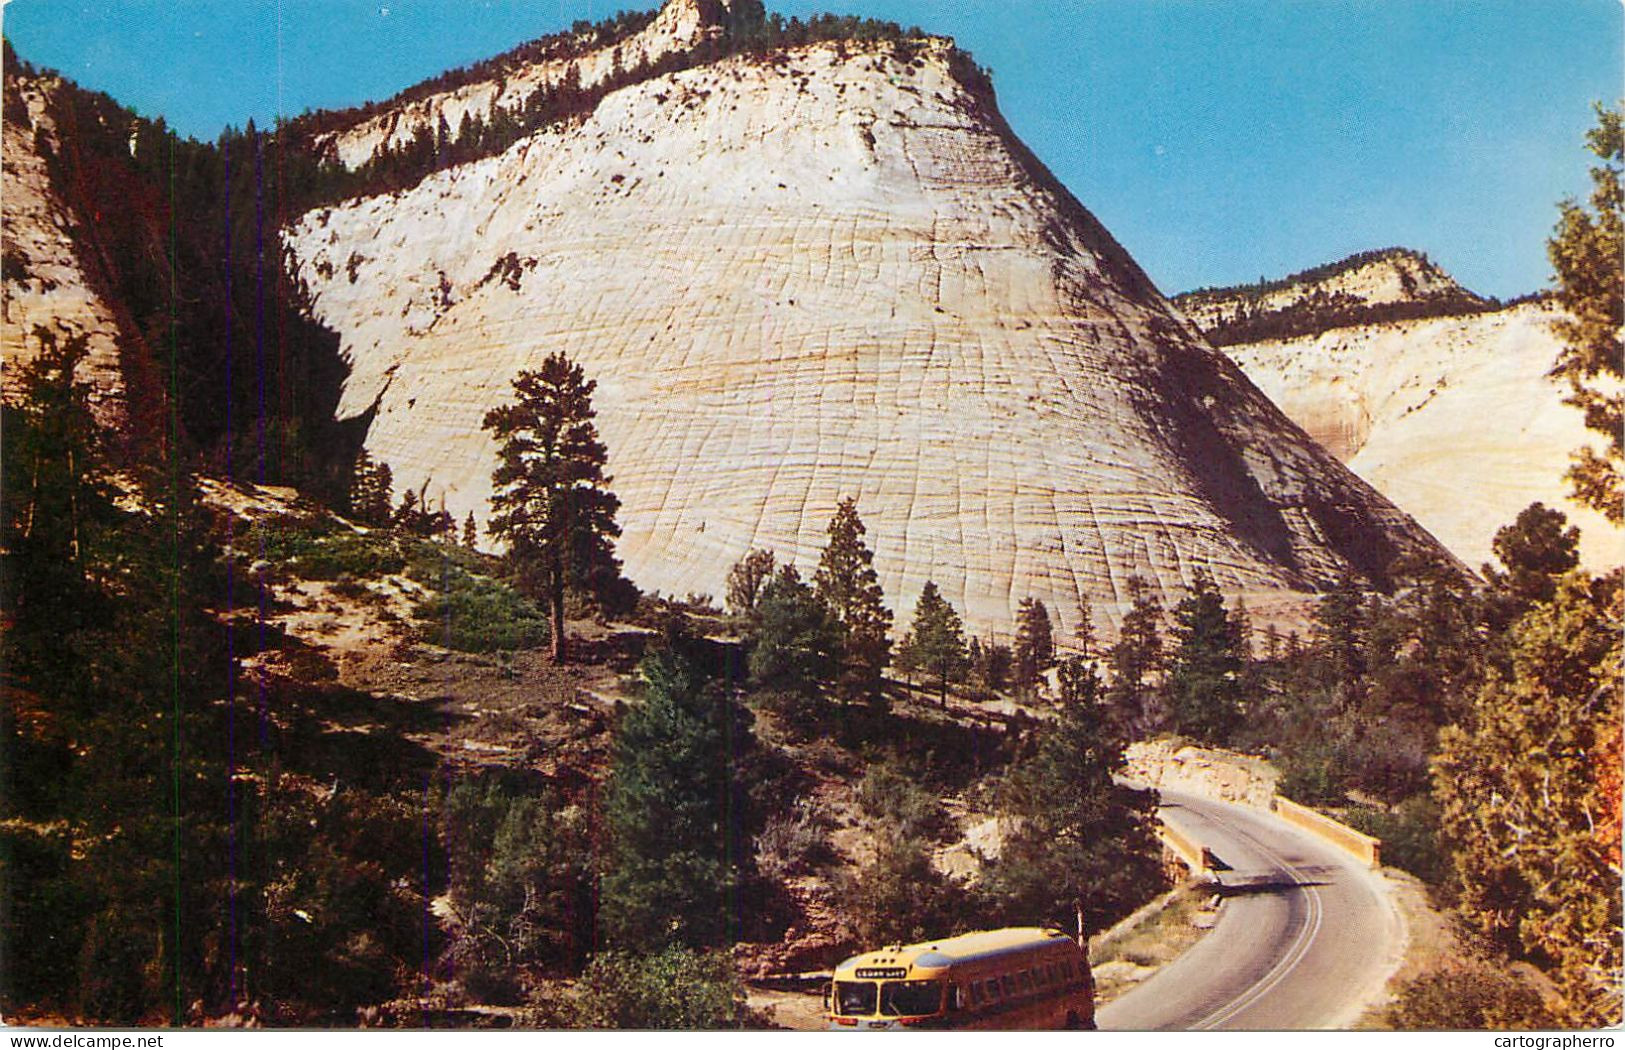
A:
824,271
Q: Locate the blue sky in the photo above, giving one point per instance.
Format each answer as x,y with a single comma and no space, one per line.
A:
1220,140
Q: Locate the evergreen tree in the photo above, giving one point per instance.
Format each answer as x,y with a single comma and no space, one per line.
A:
1083,635
1035,645
847,584
1134,660
1204,679
370,490
677,816
935,642
795,639
989,664
471,532
119,694
1339,637
746,580
1587,253
1535,551
1529,790
1077,834
551,501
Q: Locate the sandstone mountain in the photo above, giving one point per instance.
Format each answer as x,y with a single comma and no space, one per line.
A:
1451,416
45,281
1388,284
584,58
822,271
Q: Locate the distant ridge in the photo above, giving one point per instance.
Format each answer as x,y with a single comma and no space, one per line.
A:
1370,287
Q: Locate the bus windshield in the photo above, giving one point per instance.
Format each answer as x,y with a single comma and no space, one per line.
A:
855,998
903,998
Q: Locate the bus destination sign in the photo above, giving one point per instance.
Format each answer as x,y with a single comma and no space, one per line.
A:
880,973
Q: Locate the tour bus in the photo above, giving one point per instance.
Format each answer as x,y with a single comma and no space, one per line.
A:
1019,978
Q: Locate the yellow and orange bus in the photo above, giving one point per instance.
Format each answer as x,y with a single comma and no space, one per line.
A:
1019,978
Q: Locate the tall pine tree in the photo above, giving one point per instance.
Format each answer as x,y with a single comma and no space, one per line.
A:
935,642
1035,645
1135,660
847,583
551,501
677,814
1204,679
1588,255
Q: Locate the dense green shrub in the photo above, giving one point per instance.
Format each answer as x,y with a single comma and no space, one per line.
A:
477,614
1468,995
795,843
899,897
518,882
1410,836
318,549
676,989
909,808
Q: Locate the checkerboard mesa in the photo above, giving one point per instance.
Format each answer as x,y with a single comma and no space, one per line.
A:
830,270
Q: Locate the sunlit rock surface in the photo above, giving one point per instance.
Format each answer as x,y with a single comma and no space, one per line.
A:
831,273
1452,418
44,282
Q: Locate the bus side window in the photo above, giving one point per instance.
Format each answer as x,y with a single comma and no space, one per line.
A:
1026,980
1007,984
976,993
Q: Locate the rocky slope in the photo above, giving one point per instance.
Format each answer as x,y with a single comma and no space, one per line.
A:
832,271
1383,285
677,27
44,283
1453,418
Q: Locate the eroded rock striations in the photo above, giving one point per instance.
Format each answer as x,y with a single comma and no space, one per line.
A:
1440,398
832,271
1452,418
44,283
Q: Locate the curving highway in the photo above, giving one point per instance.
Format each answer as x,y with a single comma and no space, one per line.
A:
1306,939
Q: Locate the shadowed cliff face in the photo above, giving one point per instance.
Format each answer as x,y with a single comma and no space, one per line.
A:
822,273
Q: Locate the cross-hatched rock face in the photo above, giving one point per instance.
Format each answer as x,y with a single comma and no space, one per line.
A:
44,283
1453,418
832,273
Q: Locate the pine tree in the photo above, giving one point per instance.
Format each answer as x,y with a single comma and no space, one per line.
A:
471,532
1204,679
1587,253
1134,660
1035,645
746,580
1083,635
1535,551
677,813
935,642
848,585
1338,635
1077,834
119,695
796,640
1529,793
551,502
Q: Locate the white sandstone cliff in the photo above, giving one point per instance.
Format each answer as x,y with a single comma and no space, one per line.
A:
44,282
829,273
1452,418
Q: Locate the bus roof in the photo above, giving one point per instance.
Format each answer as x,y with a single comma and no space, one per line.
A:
964,948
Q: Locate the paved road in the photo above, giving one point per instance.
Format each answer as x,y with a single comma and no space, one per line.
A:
1306,940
